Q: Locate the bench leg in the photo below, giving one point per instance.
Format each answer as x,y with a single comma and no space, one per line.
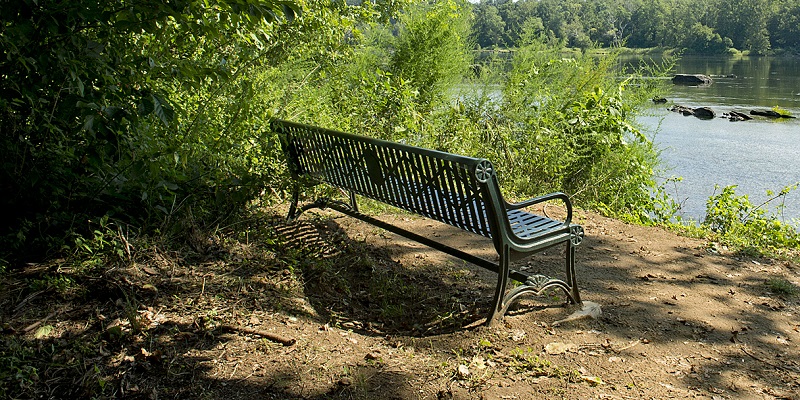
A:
498,306
292,215
571,278
535,284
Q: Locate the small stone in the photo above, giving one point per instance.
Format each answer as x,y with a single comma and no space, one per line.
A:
463,371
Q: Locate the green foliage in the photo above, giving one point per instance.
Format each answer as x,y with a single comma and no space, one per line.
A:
394,76
562,124
61,284
430,50
156,115
103,109
717,28
664,207
703,39
16,370
489,27
783,24
741,224
527,361
104,247
782,111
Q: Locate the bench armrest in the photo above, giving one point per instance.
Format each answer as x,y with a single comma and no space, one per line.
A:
536,200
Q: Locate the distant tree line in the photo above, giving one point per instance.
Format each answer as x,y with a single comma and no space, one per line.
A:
717,26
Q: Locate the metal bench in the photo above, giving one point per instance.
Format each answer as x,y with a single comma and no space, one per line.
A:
456,190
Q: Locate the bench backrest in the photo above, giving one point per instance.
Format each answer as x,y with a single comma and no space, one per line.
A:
446,187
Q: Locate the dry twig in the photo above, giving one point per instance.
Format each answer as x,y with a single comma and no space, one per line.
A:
266,335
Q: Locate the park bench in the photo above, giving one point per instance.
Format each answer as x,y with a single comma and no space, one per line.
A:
452,189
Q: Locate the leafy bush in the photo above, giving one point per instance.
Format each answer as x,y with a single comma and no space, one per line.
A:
740,223
561,123
134,112
398,74
703,39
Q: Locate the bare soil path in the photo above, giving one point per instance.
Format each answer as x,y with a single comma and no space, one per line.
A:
334,308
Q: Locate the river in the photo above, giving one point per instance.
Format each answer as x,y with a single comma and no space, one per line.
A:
757,155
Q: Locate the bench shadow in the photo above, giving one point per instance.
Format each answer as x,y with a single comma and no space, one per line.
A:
355,285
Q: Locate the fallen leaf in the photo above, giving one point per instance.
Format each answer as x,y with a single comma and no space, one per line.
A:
478,362
149,271
559,348
592,380
518,335
43,331
149,287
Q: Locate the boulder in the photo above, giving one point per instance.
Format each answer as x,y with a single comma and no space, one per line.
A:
704,113
686,111
769,113
692,79
734,116
699,112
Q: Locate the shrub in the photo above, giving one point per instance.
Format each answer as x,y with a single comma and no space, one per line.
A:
740,223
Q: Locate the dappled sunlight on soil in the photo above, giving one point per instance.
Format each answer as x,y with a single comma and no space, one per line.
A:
330,307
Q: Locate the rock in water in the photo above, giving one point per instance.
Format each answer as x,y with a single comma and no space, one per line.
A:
692,79
704,113
769,113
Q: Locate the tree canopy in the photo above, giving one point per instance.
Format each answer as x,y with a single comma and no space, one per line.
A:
716,26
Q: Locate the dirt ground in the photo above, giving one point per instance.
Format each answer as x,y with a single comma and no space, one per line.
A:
331,307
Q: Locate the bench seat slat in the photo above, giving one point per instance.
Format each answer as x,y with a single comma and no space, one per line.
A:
526,225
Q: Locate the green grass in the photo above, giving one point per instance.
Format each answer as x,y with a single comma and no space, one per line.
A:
781,286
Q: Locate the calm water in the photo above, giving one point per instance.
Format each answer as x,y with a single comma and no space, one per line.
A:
756,155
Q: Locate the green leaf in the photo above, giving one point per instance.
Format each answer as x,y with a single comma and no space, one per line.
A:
43,331
163,110
88,124
145,105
